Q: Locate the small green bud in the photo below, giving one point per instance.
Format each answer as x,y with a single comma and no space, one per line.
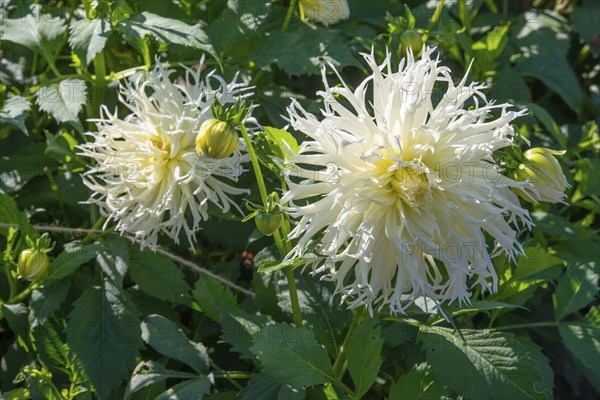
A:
32,264
216,139
267,223
410,39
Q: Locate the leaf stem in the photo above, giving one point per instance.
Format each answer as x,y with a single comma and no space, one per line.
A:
288,15
545,324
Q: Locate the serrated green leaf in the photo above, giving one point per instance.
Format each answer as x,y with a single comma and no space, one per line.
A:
582,339
10,214
576,289
292,355
166,338
166,30
535,260
195,388
104,333
45,300
42,33
317,45
157,276
50,347
364,356
264,387
320,308
63,100
148,373
238,327
418,384
15,111
72,257
487,364
89,37
208,293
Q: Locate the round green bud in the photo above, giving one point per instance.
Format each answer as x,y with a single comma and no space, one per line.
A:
268,223
543,171
410,39
216,139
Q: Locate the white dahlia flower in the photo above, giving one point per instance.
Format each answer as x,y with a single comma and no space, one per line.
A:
400,192
147,174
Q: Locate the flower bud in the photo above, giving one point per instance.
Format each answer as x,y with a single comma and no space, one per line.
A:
327,12
267,223
543,171
410,39
216,139
32,264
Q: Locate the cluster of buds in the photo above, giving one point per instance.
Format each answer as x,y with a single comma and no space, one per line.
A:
33,262
217,137
540,168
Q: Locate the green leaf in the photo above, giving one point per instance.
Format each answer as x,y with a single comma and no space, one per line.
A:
484,305
89,37
546,119
418,384
42,33
557,74
364,356
15,111
292,355
208,293
166,338
113,258
72,257
50,348
157,276
582,338
63,100
317,46
166,30
148,373
535,260
46,300
104,333
576,289
195,388
16,316
10,214
487,364
585,17
263,387
237,329
321,309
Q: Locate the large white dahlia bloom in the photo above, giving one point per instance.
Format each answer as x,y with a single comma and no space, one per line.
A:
147,174
404,190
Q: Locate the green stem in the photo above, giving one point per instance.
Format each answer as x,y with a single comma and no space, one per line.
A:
340,364
527,325
12,283
92,235
255,165
288,15
281,243
23,294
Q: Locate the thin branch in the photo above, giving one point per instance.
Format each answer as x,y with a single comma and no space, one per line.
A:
174,257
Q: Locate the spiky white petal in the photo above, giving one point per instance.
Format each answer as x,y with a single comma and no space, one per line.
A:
406,189
147,175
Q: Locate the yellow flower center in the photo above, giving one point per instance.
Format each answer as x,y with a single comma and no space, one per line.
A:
411,187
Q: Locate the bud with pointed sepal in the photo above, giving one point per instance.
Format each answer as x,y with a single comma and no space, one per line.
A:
216,139
543,171
32,264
